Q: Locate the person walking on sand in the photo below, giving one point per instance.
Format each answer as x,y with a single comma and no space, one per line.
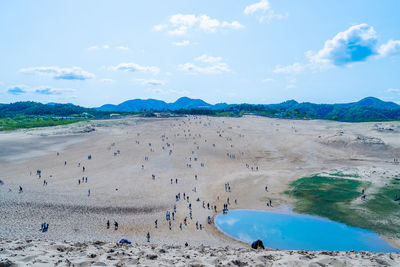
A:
88,193
148,237
115,225
108,224
155,224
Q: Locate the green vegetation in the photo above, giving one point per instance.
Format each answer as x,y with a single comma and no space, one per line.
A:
341,174
32,121
384,200
32,114
333,198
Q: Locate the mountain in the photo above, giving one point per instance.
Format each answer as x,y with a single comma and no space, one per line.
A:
374,102
157,105
367,109
188,103
35,108
136,105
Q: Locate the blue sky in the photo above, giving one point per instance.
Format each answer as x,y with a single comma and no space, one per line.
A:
255,51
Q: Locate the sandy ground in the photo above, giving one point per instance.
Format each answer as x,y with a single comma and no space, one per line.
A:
121,190
42,253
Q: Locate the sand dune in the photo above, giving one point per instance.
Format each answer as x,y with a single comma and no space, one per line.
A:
217,150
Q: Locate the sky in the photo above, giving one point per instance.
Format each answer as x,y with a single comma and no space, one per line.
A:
97,52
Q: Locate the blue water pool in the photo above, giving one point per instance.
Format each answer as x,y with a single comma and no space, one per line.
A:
295,231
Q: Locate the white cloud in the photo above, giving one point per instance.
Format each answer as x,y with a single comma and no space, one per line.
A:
104,47
74,73
210,65
356,44
120,47
208,59
47,90
107,80
182,43
392,47
393,90
150,82
180,24
263,11
263,5
133,67
267,80
159,27
94,47
98,47
293,68
18,89
41,90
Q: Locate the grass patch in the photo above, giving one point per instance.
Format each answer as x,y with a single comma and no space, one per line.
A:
341,174
332,198
32,121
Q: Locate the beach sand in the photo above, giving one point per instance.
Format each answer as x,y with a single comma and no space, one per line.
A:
121,190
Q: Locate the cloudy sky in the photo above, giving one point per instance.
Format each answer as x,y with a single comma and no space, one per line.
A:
96,52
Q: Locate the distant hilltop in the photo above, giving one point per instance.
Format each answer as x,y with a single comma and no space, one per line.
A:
189,103
367,109
159,105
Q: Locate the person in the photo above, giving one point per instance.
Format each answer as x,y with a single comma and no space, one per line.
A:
180,226
170,225
148,236
115,225
108,224
155,224
88,193
79,181
20,189
86,180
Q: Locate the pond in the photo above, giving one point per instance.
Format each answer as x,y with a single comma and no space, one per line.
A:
292,231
